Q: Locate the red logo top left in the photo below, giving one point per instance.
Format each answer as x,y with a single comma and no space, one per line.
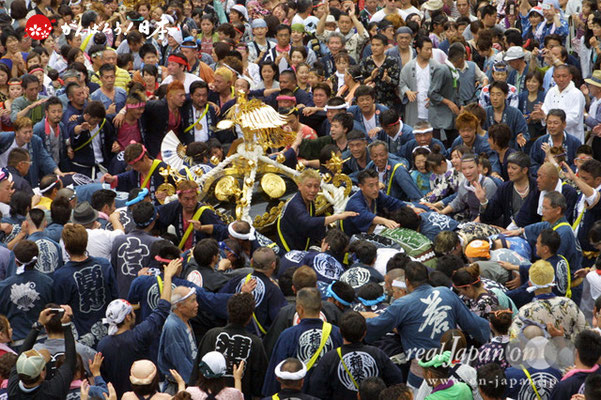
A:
38,27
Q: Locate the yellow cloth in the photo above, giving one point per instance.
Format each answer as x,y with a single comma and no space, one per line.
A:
122,78
45,203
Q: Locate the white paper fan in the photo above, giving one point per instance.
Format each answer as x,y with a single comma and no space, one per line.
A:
173,151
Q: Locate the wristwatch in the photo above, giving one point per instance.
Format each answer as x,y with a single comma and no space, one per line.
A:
37,326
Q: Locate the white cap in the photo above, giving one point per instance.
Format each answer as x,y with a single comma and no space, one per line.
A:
514,53
212,365
241,9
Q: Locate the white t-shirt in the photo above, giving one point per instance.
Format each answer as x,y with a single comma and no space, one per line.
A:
188,79
97,144
340,80
369,123
422,76
202,134
5,210
4,156
410,10
380,15
100,243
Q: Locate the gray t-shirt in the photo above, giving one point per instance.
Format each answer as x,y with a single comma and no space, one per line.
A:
56,347
517,203
493,270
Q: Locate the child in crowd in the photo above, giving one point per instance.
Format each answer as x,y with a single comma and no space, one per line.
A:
207,34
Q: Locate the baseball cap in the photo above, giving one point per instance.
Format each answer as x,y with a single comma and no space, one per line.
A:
31,363
514,53
537,9
241,9
212,365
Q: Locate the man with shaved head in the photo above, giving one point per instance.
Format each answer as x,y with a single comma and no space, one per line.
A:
291,374
547,180
517,380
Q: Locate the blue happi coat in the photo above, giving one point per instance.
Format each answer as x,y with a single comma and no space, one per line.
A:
367,213
177,348
422,317
88,286
268,299
327,268
50,256
22,298
432,223
297,227
300,341
131,253
569,247
399,183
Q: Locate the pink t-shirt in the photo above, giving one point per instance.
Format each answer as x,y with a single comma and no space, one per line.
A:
227,393
156,396
128,133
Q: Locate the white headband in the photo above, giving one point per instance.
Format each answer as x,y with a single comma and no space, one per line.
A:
49,187
534,286
340,107
22,265
421,147
399,284
425,130
290,376
242,236
190,293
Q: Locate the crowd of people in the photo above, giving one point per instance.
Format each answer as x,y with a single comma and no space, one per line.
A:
471,134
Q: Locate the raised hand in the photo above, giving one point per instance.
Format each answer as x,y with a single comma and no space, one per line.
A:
173,267
95,364
479,191
238,370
